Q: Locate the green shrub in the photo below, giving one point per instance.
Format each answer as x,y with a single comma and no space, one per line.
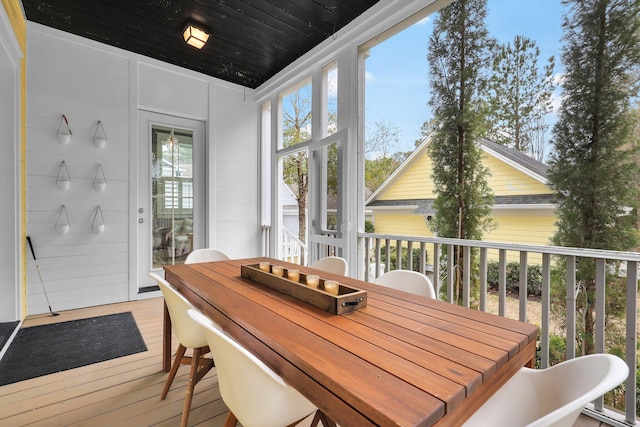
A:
557,351
394,259
534,277
369,227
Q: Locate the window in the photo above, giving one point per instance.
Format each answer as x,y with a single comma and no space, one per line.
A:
330,98
296,114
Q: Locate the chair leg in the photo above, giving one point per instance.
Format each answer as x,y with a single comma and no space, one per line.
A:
231,420
193,379
174,369
321,417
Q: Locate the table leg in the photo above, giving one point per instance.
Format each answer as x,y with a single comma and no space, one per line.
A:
166,341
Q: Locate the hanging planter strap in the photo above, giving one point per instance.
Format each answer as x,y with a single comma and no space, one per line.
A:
63,209
95,217
99,136
100,178
98,221
63,165
66,122
63,180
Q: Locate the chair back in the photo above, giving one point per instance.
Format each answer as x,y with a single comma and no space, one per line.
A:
188,333
205,255
255,394
551,397
332,264
408,281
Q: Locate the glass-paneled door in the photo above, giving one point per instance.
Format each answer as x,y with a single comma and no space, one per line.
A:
171,211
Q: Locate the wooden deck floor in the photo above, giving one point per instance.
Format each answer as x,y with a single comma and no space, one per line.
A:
120,392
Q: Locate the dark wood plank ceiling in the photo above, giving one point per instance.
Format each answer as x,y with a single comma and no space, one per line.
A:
251,40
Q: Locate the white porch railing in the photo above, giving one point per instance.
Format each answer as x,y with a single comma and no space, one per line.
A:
375,256
292,248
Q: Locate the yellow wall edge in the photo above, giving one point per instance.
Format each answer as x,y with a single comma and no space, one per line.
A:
14,12
16,18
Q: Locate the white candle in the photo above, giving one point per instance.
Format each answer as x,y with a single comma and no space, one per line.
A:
293,275
313,280
331,286
265,266
277,270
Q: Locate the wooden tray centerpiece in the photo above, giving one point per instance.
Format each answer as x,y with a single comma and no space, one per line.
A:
347,300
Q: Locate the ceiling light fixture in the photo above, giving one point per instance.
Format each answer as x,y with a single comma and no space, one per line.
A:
195,36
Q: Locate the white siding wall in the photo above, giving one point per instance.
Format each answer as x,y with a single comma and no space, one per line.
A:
10,55
87,82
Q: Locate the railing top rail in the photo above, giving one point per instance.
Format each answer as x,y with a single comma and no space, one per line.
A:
553,250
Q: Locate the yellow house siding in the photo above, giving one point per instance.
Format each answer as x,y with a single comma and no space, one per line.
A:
505,180
533,227
414,183
527,227
401,224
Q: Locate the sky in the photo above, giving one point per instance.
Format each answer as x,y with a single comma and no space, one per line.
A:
397,71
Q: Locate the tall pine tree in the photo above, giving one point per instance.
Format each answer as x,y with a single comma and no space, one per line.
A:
592,171
458,61
519,95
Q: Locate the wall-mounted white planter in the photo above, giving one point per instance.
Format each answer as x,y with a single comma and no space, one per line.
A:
100,181
99,136
63,225
98,221
64,133
63,180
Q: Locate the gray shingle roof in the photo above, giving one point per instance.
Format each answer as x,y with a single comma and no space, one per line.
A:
517,156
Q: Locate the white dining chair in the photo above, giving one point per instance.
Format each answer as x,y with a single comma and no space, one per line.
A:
206,255
408,281
332,264
190,336
552,397
255,395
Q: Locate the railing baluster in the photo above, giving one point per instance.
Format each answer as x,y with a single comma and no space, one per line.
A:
546,311
423,258
450,273
600,315
377,272
436,268
522,286
632,341
483,279
409,254
466,280
571,307
367,264
387,256
502,281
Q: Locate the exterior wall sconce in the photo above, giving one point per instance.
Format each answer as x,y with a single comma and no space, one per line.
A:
195,36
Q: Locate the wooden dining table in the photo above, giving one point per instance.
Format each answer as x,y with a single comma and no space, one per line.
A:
401,360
